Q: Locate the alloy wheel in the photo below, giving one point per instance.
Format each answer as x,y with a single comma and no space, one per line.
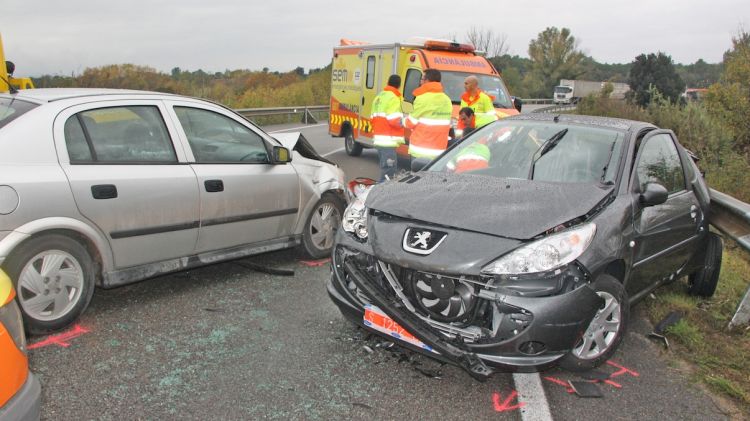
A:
602,330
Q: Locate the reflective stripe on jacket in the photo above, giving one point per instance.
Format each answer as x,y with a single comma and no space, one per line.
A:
484,110
473,157
430,121
386,118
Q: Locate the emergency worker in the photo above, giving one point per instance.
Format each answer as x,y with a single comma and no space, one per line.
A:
480,102
387,130
467,117
431,119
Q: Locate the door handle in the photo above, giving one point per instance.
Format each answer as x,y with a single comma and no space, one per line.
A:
104,191
213,186
363,100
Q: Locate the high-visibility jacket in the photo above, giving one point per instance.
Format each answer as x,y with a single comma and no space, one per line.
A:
430,121
386,117
473,157
484,110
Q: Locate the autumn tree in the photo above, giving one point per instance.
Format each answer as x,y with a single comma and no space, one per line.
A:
554,55
493,44
729,99
654,71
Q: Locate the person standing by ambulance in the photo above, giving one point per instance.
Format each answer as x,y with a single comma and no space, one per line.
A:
431,119
480,102
387,130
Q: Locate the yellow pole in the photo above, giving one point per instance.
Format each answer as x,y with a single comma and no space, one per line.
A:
3,71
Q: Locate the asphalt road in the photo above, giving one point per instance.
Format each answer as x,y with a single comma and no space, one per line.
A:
231,342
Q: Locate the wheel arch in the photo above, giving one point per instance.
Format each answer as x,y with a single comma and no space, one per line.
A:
94,242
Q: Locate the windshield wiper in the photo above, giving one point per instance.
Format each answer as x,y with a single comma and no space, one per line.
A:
547,146
606,166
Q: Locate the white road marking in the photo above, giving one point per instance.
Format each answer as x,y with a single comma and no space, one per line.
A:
299,128
332,152
530,391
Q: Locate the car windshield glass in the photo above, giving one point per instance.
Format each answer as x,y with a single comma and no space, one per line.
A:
453,84
509,149
562,89
11,109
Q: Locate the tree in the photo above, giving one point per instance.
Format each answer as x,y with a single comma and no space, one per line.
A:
654,71
554,55
729,99
494,45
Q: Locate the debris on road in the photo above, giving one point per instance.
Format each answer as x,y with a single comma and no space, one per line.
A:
660,329
585,389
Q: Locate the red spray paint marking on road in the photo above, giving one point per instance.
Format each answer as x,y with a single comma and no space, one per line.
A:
315,263
61,339
561,383
622,370
505,405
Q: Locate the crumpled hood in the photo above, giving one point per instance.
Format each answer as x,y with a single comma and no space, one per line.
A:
511,208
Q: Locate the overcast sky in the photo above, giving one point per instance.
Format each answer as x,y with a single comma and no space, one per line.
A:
64,37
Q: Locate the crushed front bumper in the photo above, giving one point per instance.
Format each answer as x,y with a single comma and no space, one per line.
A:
557,322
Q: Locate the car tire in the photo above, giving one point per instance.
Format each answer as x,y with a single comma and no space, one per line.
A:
352,147
51,297
703,282
321,226
591,352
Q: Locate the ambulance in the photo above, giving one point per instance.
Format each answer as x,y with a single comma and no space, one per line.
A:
360,71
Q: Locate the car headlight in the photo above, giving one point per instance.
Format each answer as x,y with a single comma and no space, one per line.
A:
355,215
546,254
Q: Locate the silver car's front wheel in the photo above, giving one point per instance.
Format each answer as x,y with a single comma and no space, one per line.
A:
54,279
322,225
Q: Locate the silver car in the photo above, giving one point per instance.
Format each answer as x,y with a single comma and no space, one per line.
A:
107,187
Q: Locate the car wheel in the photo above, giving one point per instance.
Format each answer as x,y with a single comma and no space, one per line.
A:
54,279
703,282
606,330
321,226
352,147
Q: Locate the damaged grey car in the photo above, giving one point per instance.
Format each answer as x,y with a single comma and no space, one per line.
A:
524,245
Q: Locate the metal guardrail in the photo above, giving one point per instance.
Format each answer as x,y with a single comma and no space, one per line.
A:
552,109
305,112
732,217
536,101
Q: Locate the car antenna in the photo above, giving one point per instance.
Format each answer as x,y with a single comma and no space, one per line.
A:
556,118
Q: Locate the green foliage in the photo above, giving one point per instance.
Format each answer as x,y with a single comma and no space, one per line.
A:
554,55
654,71
729,100
234,88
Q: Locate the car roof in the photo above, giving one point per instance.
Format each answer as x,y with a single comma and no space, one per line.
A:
586,120
55,94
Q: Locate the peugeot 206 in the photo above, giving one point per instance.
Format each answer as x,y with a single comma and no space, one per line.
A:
524,245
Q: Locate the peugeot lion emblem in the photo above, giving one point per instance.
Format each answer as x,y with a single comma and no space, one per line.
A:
422,241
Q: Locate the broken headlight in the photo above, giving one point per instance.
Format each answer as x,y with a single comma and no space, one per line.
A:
355,215
546,254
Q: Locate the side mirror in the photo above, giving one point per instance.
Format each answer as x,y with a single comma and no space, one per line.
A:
654,194
281,155
517,103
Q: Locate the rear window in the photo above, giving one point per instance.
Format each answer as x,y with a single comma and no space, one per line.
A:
12,108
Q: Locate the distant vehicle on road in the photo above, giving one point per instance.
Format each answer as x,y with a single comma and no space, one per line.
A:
694,94
20,392
108,187
571,91
361,70
530,253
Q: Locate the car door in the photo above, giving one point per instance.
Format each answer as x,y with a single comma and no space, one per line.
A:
244,198
127,178
663,233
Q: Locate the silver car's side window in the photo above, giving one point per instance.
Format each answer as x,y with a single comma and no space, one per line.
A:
131,134
216,138
660,163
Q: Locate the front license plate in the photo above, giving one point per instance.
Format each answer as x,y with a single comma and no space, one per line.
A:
376,319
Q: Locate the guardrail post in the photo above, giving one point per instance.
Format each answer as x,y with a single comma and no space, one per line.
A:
742,316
